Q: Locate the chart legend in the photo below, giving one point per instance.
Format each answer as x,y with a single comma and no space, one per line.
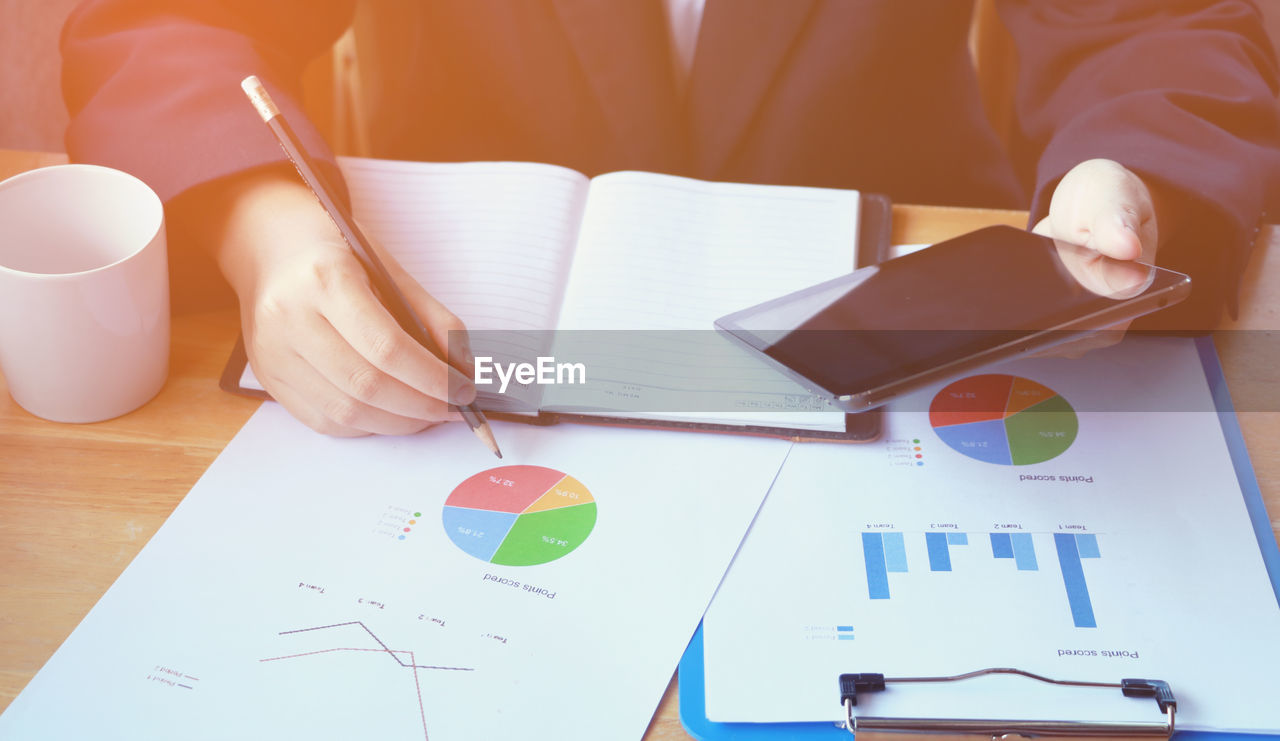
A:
904,452
397,522
828,632
1008,420
519,515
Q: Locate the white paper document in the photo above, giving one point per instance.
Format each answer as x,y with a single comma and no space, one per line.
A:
415,587
1080,519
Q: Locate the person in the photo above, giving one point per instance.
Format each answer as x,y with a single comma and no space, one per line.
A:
1144,128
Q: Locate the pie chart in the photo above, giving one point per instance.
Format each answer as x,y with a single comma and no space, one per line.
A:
519,515
998,418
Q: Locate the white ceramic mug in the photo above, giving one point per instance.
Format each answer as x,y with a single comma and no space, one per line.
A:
84,292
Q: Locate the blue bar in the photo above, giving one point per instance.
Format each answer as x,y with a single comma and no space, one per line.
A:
895,553
1073,579
1088,545
877,574
1001,546
845,637
845,628
939,556
957,538
1024,552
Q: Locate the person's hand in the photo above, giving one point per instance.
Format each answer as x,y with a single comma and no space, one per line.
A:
1102,205
317,338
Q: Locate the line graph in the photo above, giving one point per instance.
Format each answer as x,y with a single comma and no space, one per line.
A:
384,649
412,663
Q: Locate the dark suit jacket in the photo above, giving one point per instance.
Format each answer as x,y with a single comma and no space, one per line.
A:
872,94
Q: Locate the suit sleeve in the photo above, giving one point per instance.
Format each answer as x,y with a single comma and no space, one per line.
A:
153,86
1182,92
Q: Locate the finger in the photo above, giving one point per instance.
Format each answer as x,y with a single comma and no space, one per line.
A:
324,408
1125,228
446,329
371,331
1102,275
346,370
1106,207
1122,278
302,411
1114,234
273,372
292,380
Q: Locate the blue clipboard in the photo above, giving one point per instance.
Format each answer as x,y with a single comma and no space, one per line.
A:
692,679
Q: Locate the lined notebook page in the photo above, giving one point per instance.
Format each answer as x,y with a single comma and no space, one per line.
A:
491,240
662,252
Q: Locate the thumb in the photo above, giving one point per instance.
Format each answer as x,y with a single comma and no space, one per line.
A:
1106,207
1114,232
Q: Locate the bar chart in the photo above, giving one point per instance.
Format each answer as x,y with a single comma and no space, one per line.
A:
939,545
885,552
1017,546
1071,548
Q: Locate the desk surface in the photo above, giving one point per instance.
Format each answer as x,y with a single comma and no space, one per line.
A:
77,502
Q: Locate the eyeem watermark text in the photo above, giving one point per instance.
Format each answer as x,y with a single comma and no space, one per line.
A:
545,372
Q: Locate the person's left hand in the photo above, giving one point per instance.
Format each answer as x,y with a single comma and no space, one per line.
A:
1104,206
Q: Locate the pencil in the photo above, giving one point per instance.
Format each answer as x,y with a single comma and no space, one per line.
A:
388,292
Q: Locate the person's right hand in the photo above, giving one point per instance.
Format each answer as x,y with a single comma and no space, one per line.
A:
317,338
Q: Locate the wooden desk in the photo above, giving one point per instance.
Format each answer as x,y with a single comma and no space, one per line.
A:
77,502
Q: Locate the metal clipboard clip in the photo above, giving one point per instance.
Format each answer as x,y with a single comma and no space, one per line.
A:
852,684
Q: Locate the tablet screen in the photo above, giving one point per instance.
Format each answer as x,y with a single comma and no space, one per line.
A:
939,306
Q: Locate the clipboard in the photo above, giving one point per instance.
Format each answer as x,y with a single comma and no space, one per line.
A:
692,679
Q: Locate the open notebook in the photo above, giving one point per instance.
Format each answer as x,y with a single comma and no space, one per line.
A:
536,257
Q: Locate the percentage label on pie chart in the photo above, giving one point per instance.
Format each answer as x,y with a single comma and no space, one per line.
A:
519,515
1003,419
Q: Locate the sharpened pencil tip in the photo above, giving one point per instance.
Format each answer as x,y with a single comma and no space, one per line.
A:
486,436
